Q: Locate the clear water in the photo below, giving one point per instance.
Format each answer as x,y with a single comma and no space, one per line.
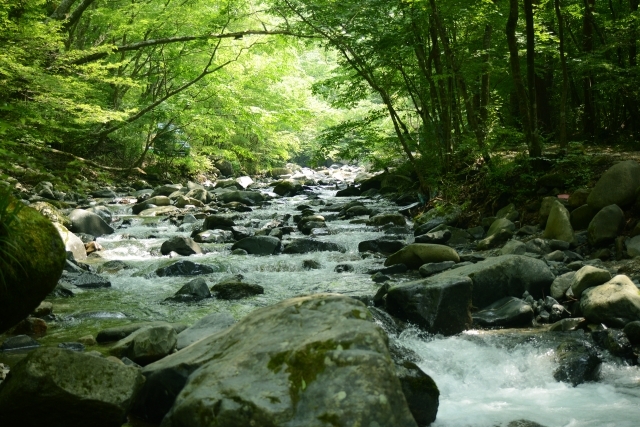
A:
485,378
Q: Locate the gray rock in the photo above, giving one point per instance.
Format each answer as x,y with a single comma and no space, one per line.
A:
513,247
181,245
194,290
436,237
382,245
633,247
587,277
617,186
184,268
565,325
59,387
221,222
72,243
545,209
632,331
606,225
199,194
508,212
214,236
287,188
436,304
259,245
614,303
224,166
166,189
235,288
416,254
432,268
429,220
578,361
249,198
505,276
147,344
559,224
614,341
538,246
19,342
509,312
387,218
205,327
578,198
88,281
561,284
305,245
420,391
556,256
292,363
88,222
476,232
582,216
117,333
500,224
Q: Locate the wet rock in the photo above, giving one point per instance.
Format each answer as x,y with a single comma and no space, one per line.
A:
195,290
614,303
538,246
508,212
205,327
221,222
587,277
310,264
117,333
357,211
508,312
429,220
416,254
152,210
181,245
112,267
524,423
58,387
614,341
382,245
350,191
578,361
561,284
214,236
295,362
555,256
633,247
146,345
31,326
632,331
235,288
259,245
558,224
343,268
83,221
420,391
31,265
184,268
476,232
88,281
504,276
617,186
380,278
166,189
605,226
19,342
387,218
432,268
495,239
436,304
436,237
305,245
288,188
73,346
569,324
249,198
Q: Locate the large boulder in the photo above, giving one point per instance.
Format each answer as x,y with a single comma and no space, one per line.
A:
605,225
578,362
614,303
420,391
385,245
559,224
180,245
439,305
447,214
505,276
64,388
617,186
184,268
507,312
588,277
297,362
51,212
146,345
224,166
561,284
249,198
581,217
32,256
72,243
633,246
259,245
288,188
416,254
83,221
194,290
205,327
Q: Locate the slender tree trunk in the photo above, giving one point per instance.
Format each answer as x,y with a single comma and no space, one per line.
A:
516,74
587,81
484,86
445,126
536,148
565,80
633,62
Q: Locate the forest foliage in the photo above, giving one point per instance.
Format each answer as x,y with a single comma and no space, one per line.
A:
439,84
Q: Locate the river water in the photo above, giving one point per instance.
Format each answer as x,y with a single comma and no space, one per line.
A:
486,378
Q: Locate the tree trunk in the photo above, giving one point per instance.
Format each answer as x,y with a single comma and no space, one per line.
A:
587,82
562,126
516,74
536,148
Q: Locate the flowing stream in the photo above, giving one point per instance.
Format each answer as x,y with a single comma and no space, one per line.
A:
486,378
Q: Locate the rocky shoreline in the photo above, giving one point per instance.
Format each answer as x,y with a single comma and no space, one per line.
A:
324,359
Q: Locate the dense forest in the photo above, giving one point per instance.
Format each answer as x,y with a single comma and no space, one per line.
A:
435,84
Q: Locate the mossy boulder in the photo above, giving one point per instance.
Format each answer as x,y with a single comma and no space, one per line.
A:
31,260
416,254
605,226
298,362
617,186
559,224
